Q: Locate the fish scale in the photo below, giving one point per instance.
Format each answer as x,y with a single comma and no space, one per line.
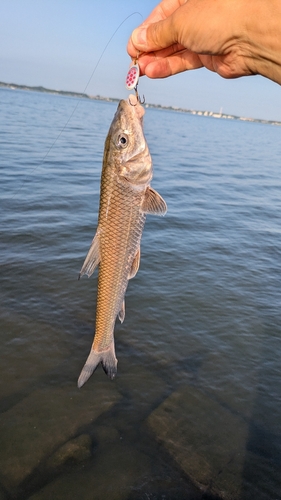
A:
115,265
125,199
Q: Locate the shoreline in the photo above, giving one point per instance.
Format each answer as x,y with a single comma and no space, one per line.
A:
68,93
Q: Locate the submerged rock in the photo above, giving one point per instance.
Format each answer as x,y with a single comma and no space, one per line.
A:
43,422
206,440
76,450
110,477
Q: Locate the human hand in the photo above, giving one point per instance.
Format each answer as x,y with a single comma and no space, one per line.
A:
231,37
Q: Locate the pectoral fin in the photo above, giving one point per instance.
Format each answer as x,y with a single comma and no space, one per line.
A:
92,259
153,203
135,265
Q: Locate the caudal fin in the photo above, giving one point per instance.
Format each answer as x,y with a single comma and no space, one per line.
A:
106,358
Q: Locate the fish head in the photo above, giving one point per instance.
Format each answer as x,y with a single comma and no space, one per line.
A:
127,143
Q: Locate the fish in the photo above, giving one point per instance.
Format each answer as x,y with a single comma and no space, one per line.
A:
126,197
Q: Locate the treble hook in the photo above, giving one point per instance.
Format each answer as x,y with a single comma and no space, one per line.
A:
136,92
138,96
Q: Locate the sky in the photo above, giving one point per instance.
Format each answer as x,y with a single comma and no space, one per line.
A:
58,43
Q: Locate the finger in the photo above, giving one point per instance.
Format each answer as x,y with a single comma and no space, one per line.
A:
162,67
146,58
161,12
160,54
156,36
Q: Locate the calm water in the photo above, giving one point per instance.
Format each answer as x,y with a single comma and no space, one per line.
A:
195,411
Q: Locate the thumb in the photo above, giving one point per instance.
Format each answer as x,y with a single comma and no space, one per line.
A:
155,36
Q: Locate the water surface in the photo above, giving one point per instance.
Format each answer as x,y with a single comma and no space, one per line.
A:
199,351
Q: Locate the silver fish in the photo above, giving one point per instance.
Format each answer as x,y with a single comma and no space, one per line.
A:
125,199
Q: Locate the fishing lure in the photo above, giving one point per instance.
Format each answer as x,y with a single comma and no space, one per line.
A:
132,78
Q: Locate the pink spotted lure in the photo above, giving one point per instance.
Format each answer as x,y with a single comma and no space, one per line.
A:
132,78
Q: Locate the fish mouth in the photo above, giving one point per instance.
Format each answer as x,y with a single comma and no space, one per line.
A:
133,101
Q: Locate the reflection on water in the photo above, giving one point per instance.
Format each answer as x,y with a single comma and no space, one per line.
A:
195,409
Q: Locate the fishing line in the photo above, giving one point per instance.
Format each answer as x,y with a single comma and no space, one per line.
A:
76,106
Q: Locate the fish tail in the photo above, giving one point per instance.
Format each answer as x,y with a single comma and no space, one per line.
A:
106,358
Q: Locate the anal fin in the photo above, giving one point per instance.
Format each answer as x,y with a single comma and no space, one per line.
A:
135,265
121,314
133,272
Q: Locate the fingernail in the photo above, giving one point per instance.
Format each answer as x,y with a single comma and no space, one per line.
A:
139,36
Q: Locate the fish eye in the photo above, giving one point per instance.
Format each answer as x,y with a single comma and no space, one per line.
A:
122,141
